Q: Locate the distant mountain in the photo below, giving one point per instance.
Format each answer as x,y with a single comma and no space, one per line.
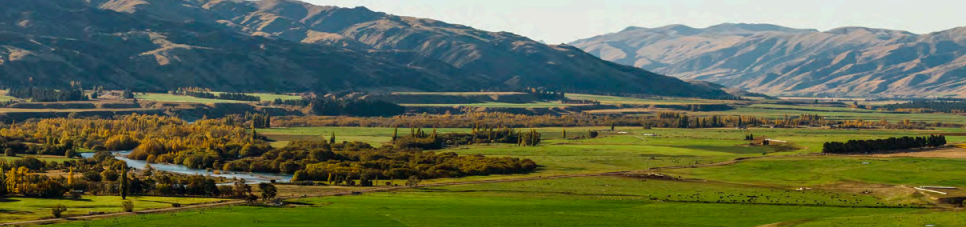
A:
290,45
779,60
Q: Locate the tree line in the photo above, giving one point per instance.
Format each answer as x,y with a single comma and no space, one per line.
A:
662,120
418,138
543,93
102,174
226,145
48,94
883,145
223,96
346,107
929,106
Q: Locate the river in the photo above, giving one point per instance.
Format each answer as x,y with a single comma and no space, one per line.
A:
251,178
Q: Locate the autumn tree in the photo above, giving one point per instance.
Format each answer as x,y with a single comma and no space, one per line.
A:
268,191
413,181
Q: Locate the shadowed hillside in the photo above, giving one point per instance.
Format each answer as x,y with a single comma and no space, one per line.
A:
286,45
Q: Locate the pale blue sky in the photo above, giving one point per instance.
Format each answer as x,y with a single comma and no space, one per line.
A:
558,21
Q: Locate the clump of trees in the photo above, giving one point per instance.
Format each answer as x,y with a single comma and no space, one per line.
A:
257,120
206,94
929,106
478,135
545,94
341,163
883,145
48,94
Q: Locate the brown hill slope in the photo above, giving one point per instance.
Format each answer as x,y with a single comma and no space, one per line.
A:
504,60
54,42
778,60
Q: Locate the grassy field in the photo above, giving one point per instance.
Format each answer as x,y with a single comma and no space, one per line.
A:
497,105
269,97
23,209
844,190
830,170
159,97
610,100
923,218
620,152
833,113
604,201
458,93
39,157
374,136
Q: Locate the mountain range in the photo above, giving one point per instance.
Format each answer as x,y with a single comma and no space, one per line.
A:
283,45
776,60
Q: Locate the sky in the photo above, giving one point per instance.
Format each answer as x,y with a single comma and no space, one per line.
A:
562,21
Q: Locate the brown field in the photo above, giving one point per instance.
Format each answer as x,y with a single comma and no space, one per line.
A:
954,152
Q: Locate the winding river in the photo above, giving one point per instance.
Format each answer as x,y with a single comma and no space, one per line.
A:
251,178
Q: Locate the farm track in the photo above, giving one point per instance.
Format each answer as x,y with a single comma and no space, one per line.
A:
356,192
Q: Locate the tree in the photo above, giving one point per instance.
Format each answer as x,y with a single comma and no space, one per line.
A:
413,181
9,152
3,183
332,139
58,210
268,191
251,198
93,176
395,134
70,153
127,205
127,94
565,134
124,186
109,175
70,178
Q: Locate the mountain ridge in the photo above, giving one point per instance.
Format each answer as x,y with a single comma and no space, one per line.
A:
851,61
208,43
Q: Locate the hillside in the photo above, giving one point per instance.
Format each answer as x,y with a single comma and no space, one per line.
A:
778,60
277,45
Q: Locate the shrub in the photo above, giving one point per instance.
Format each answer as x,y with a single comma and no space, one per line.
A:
127,205
58,210
9,152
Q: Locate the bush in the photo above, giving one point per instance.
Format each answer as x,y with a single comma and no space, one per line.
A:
9,152
58,210
127,205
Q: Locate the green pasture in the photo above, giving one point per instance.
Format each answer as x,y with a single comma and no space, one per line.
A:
42,158
829,170
605,201
164,97
269,97
640,101
835,113
24,209
911,219
496,105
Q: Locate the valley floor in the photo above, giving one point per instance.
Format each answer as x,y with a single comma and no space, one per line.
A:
697,177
